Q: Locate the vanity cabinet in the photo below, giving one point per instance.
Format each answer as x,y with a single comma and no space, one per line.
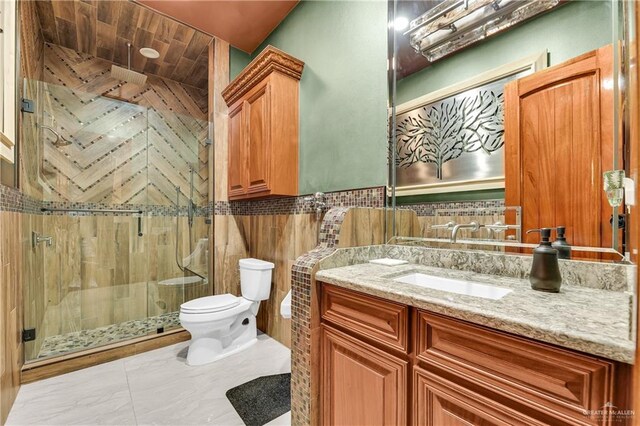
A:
386,363
263,127
365,375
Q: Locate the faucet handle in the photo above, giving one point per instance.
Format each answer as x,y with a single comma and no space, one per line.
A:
37,239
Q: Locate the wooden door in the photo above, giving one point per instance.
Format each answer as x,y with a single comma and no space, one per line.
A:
257,110
440,402
361,384
237,174
558,141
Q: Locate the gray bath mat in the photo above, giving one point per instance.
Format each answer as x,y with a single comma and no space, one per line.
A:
263,399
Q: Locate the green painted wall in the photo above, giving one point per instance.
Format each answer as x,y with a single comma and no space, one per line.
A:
237,61
572,29
343,91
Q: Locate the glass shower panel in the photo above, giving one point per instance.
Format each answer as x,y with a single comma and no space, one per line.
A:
93,175
178,198
124,188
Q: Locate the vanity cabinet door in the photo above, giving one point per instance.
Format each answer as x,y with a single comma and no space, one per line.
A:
441,402
257,110
361,385
237,185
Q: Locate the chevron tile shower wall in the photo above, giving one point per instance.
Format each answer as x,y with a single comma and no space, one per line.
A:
131,144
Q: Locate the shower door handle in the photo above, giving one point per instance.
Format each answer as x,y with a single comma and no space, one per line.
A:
140,226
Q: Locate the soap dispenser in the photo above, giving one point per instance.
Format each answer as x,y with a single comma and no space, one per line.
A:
545,272
561,244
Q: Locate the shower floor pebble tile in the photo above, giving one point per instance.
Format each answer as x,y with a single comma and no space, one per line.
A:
79,340
153,388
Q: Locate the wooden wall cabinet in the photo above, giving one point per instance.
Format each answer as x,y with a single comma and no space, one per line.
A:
451,372
263,127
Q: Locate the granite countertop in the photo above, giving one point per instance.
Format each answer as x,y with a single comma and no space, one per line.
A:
589,320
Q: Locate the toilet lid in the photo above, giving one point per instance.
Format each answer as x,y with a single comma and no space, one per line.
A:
205,305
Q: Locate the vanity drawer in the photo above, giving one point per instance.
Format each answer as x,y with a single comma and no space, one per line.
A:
536,374
380,320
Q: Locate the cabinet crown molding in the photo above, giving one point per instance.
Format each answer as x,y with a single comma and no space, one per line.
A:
269,60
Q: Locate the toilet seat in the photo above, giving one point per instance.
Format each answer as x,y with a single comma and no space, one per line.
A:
210,304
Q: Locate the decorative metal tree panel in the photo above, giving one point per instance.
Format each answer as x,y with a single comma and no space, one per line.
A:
456,139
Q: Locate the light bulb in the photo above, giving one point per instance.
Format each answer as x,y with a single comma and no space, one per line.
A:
400,23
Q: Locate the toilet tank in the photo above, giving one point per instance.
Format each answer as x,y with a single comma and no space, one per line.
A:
255,279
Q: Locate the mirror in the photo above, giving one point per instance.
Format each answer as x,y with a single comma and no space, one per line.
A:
508,116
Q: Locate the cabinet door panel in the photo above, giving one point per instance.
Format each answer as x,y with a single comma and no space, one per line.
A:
533,373
237,152
362,385
258,118
439,402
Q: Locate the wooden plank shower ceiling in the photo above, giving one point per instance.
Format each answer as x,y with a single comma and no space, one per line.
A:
102,28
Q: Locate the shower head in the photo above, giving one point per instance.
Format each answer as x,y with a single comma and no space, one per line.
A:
127,74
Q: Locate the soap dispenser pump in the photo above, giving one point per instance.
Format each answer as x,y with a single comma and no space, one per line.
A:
561,244
545,271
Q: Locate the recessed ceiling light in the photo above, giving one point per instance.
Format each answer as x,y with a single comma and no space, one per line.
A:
150,53
400,23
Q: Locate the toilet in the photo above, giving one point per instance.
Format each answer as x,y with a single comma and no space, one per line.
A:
225,324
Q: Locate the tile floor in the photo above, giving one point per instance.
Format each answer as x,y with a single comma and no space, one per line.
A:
155,387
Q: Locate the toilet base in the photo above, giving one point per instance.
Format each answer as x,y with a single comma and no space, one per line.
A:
218,344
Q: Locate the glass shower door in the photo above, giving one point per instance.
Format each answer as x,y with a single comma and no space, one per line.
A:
92,172
179,229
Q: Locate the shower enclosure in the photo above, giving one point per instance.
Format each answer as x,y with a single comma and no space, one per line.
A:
120,232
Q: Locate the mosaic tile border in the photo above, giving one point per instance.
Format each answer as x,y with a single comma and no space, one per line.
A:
367,197
148,210
301,279
11,199
466,207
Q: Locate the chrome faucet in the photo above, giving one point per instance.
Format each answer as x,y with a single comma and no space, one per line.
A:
474,226
37,239
318,202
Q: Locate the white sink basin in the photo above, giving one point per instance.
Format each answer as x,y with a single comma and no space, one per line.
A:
468,288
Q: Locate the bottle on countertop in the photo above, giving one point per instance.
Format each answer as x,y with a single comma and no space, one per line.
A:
545,271
561,244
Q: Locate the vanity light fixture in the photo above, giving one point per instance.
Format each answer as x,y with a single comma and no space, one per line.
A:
618,187
400,23
455,24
